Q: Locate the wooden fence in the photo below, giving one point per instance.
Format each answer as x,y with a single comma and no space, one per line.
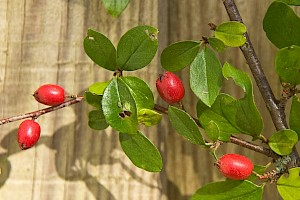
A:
41,42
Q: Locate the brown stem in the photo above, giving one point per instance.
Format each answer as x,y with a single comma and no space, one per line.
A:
36,114
254,147
233,139
276,112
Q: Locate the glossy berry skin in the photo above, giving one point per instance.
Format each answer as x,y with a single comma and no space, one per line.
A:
235,166
50,94
170,88
28,134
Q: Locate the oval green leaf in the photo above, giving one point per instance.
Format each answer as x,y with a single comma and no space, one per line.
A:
100,49
97,120
115,7
212,131
287,64
282,25
137,47
231,33
295,116
93,99
243,113
185,125
141,151
148,117
233,190
216,44
179,55
282,142
140,91
99,87
206,76
289,187
119,107
206,115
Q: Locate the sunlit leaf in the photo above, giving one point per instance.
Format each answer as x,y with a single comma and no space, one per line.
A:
289,187
140,91
231,33
100,49
283,141
137,47
99,87
119,107
206,76
149,117
214,113
243,113
179,55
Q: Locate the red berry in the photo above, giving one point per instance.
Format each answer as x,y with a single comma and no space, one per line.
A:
170,88
235,166
28,134
50,94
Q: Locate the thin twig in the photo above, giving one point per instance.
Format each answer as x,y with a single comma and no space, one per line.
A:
36,114
233,139
276,112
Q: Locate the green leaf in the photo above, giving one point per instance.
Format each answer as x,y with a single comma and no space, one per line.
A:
206,76
115,7
185,125
282,25
282,142
148,117
233,190
97,120
214,113
119,107
140,91
141,151
216,44
291,2
137,47
289,187
231,33
179,55
99,87
100,49
243,113
287,65
212,131
93,100
295,116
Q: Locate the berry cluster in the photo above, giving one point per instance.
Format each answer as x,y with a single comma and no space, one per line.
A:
29,130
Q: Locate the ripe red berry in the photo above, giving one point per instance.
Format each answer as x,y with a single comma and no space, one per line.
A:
170,87
28,134
235,166
50,94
